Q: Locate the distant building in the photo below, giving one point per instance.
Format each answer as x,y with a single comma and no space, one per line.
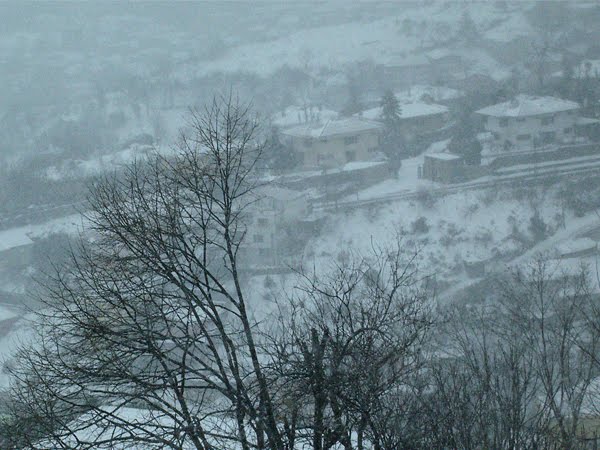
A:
442,167
335,142
527,122
588,68
422,93
275,209
406,70
415,118
446,63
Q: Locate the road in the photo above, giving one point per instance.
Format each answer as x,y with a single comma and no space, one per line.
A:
529,175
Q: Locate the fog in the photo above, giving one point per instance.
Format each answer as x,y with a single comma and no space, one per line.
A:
299,224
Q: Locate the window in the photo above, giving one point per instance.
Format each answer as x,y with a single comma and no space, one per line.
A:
521,119
308,142
263,222
350,155
523,137
259,238
503,122
548,137
547,120
568,130
348,140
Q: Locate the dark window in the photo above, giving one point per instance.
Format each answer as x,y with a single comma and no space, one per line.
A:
523,137
308,142
350,155
547,120
504,122
348,140
262,221
568,130
259,238
521,119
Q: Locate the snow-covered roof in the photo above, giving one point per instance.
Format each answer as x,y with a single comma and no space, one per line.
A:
13,238
333,127
421,109
445,156
586,121
297,115
528,105
407,111
576,246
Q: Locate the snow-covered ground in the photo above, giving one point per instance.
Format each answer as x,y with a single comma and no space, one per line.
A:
390,40
15,237
477,225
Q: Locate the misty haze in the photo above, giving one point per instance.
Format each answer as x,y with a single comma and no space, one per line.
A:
298,225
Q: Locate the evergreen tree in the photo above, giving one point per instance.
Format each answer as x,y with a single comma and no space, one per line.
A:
390,108
465,142
279,156
392,141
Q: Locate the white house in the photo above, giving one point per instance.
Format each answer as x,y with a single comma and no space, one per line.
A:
527,122
335,142
275,210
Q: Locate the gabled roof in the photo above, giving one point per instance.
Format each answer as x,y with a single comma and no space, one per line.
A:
348,125
528,105
408,110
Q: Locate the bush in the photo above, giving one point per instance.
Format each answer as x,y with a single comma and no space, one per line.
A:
420,225
537,227
425,198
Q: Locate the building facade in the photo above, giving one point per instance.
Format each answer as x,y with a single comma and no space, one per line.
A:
334,143
442,167
529,122
273,214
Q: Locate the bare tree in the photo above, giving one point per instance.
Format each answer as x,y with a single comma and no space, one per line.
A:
348,348
151,313
518,372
